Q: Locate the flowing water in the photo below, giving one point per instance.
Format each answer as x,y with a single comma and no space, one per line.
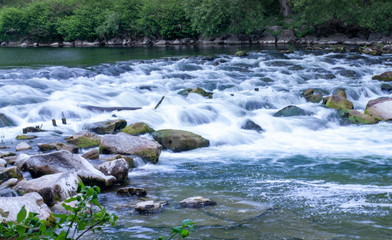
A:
305,177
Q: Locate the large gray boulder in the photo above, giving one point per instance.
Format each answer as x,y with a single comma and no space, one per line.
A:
52,188
65,161
106,127
118,168
33,202
123,143
380,108
179,140
84,139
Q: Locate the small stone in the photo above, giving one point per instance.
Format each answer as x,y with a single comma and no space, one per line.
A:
25,137
130,191
22,146
250,125
290,111
196,202
4,154
137,129
92,154
149,207
3,163
8,173
241,54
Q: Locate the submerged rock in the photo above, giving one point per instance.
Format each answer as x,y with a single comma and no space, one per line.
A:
52,188
33,129
149,207
123,143
106,127
118,168
130,191
356,117
25,137
197,90
58,146
250,125
339,102
84,139
380,108
386,76
179,140
137,129
386,87
64,161
196,202
290,111
22,146
5,121
312,95
33,202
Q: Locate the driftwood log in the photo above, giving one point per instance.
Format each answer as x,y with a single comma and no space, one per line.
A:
109,109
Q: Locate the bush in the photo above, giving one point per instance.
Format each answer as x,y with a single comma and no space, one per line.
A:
12,24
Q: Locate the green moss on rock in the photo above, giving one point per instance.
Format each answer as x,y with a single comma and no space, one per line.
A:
25,137
339,102
386,76
356,117
179,140
196,90
138,128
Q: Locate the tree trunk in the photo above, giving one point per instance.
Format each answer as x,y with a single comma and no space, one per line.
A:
284,8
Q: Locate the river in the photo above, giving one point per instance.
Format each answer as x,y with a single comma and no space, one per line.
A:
304,177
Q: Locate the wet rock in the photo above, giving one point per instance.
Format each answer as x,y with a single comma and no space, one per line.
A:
137,129
52,188
149,207
380,108
386,76
58,146
286,36
386,87
123,143
106,127
33,202
5,121
127,158
3,163
179,140
340,92
4,154
9,183
356,117
23,146
118,168
339,102
290,111
130,191
196,90
84,139
25,137
64,161
241,53
371,51
32,129
92,154
312,95
196,202
10,172
250,125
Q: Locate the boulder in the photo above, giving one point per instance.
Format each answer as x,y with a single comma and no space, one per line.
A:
84,139
64,161
130,191
250,125
123,143
356,117
290,111
5,121
149,207
10,172
286,36
312,95
9,183
25,137
92,154
22,146
386,76
32,129
380,108
138,128
106,127
118,168
196,90
196,202
52,188
57,146
339,102
3,163
179,140
33,202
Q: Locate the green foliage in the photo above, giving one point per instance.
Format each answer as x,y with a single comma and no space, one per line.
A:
183,230
86,214
12,23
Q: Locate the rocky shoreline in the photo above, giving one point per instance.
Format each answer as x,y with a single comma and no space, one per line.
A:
270,36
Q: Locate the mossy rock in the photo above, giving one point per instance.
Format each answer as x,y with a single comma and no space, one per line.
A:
138,128
196,90
33,129
250,125
57,146
339,102
312,95
106,127
356,117
84,139
386,76
25,137
8,173
241,54
290,111
179,140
